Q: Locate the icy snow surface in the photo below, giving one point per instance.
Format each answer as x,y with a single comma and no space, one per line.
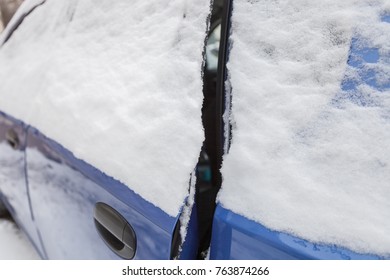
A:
308,156
117,83
14,245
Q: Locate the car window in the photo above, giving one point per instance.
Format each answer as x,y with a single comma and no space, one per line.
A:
310,116
126,77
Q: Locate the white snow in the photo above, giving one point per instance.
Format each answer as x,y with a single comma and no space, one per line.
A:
14,245
119,84
298,163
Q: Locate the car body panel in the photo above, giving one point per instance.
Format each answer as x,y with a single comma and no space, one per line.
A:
236,237
64,192
13,183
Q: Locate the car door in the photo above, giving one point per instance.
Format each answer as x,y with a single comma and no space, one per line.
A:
307,172
84,214
13,180
112,96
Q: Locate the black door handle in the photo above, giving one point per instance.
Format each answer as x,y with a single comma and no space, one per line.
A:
12,139
115,231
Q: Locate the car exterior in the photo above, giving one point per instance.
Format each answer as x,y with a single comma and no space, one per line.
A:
126,134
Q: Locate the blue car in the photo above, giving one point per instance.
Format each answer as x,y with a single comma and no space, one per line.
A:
229,129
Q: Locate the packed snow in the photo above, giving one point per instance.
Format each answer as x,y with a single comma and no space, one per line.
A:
305,157
14,245
119,85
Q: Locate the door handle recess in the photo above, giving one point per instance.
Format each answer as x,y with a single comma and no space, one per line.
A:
116,232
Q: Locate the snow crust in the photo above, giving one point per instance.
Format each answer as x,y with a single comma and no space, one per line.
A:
14,244
306,158
119,84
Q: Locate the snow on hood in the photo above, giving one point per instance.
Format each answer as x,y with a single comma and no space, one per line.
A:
118,83
307,157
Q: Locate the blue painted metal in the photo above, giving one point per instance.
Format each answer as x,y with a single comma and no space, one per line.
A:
363,70
64,191
385,18
189,248
236,237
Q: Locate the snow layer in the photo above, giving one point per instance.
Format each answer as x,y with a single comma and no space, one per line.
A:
305,159
119,84
14,244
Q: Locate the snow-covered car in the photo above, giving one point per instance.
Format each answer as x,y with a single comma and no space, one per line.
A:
185,130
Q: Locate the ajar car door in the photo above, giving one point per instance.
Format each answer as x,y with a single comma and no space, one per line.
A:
112,95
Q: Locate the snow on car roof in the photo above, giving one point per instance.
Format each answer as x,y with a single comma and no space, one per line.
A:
117,83
307,156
